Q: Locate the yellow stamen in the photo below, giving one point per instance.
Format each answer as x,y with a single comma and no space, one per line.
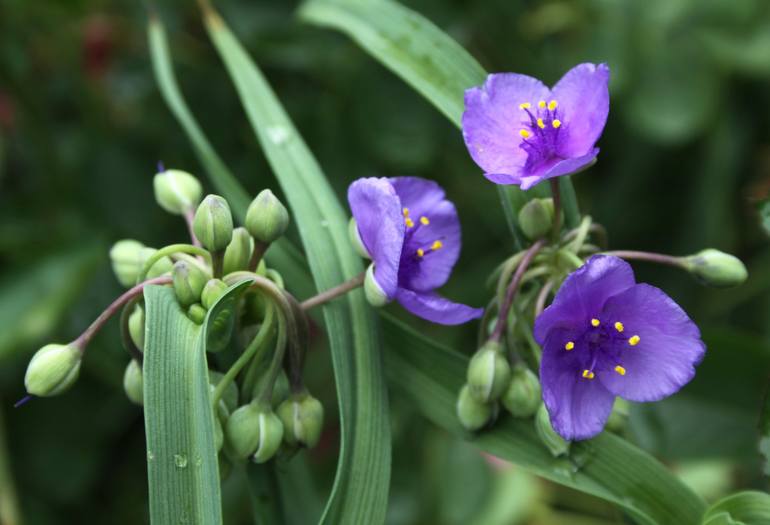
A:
541,104
619,326
525,133
552,105
620,370
556,123
424,221
594,322
409,223
540,123
405,211
420,252
437,245
569,346
634,340
525,105
588,374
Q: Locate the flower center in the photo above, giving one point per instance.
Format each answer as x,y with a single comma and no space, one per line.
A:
541,131
602,343
422,249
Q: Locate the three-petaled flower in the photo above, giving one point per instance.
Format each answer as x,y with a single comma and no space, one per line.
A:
603,336
412,233
521,132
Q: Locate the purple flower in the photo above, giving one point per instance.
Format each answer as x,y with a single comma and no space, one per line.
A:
520,132
412,234
606,336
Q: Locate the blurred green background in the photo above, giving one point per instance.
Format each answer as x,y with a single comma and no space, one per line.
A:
685,164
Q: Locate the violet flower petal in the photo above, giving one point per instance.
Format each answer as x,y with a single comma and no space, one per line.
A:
437,309
564,167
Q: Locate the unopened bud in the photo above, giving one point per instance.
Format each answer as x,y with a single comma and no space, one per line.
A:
189,281
488,373
266,218
177,191
161,267
374,294
238,252
213,290
716,268
536,218
619,416
52,370
355,239
136,327
556,444
254,431
197,315
302,416
472,414
128,257
213,223
522,397
133,382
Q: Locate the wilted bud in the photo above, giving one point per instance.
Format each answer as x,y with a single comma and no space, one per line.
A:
189,281
177,191
133,382
488,373
254,431
238,252
472,414
522,397
556,444
197,313
136,327
355,239
52,370
213,223
716,268
374,294
536,218
302,416
266,218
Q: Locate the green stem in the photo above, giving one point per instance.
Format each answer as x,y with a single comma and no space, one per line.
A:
581,233
218,263
333,293
256,255
265,396
125,333
171,250
659,258
556,195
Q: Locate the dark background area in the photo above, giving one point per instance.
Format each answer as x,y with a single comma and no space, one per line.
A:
685,163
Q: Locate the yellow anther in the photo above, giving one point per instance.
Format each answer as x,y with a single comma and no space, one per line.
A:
620,370
525,105
405,211
540,123
541,104
552,105
420,252
594,322
569,346
556,123
619,326
409,223
588,374
634,340
424,221
525,133
437,245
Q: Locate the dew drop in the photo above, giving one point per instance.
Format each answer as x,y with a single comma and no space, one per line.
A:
278,134
180,460
198,461
150,455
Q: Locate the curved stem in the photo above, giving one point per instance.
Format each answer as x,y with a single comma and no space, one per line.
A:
125,332
581,232
542,297
648,256
333,293
508,268
556,195
298,350
276,364
256,255
189,215
170,250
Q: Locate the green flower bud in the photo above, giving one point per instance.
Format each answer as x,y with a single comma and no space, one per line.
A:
213,223
133,382
472,414
619,416
189,281
302,416
254,431
238,252
161,267
213,290
374,294
556,444
197,313
52,370
177,191
536,218
355,239
128,257
716,268
266,218
488,373
136,327
522,397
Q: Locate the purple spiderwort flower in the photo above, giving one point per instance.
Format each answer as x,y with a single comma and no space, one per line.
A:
412,233
520,132
603,336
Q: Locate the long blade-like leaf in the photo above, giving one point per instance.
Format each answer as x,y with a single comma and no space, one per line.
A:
360,489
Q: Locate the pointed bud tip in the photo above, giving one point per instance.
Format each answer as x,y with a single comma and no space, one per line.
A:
267,218
213,223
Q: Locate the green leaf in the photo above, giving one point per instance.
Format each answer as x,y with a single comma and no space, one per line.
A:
607,466
749,508
360,489
430,61
182,465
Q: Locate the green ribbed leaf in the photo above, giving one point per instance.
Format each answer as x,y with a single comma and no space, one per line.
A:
360,489
743,508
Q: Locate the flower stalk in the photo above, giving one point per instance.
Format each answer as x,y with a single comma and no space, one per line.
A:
333,293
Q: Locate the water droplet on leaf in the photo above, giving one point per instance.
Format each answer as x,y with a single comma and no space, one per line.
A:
180,460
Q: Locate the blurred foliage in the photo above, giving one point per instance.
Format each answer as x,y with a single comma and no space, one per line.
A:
685,163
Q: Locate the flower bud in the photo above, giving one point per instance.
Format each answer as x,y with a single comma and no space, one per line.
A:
536,218
128,257
238,252
177,191
619,416
189,281
133,382
197,315
715,268
522,397
254,431
553,441
488,373
162,266
472,414
213,290
266,218
52,370
374,294
136,327
213,223
355,239
302,416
